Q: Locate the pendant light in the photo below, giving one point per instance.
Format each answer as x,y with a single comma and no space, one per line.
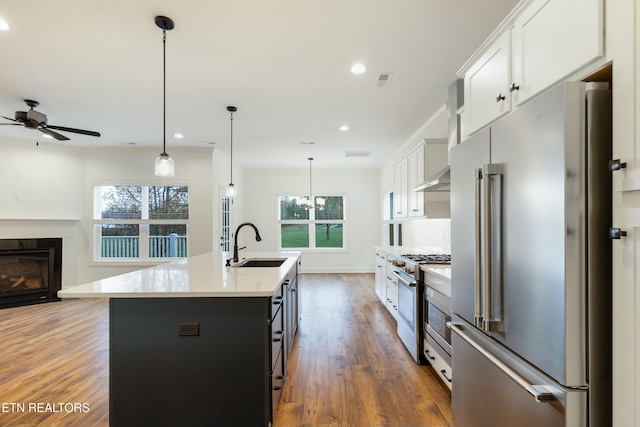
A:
164,163
319,200
231,190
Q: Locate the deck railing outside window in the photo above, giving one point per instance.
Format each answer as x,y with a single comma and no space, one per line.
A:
171,246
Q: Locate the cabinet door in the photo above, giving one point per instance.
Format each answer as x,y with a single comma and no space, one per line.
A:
400,182
416,175
552,39
486,86
381,278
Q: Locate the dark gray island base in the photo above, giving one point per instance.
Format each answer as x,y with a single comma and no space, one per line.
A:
229,374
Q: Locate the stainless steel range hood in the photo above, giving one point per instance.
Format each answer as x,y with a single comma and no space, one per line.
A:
437,182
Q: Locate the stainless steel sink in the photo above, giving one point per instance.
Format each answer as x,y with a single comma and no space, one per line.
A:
261,262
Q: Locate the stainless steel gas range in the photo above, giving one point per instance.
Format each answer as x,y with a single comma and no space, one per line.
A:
410,296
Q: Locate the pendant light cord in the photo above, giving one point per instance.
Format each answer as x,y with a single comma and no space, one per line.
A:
164,92
311,204
231,175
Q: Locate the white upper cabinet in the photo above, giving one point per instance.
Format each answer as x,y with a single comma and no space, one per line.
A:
416,174
426,159
486,86
551,39
538,45
400,185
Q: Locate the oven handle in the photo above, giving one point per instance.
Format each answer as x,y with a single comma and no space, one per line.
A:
540,393
402,279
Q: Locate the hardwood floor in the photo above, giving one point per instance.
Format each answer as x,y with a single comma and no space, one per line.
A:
347,368
55,354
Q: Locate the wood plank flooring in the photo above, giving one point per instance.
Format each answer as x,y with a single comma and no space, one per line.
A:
347,368
55,354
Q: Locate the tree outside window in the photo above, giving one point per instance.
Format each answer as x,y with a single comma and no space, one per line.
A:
140,222
306,227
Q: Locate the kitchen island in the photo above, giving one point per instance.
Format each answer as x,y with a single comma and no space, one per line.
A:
195,342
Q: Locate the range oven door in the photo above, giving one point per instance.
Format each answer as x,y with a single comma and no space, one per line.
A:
408,313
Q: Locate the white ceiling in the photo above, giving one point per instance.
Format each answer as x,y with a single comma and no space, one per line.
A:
97,65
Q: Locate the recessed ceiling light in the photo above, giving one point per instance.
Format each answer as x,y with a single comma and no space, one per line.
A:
308,142
358,68
3,25
178,135
344,128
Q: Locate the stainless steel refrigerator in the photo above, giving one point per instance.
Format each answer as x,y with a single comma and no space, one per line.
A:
531,264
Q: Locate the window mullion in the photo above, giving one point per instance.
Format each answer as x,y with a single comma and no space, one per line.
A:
145,202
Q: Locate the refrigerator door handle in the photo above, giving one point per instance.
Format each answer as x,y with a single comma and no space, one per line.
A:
541,393
489,324
477,318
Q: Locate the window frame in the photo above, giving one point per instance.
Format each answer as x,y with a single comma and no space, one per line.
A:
312,222
144,224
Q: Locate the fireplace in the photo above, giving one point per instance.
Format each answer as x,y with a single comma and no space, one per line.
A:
30,271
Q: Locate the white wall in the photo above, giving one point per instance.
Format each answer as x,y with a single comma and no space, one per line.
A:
361,190
193,167
42,195
47,179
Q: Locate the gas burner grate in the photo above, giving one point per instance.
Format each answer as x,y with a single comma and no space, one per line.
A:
428,259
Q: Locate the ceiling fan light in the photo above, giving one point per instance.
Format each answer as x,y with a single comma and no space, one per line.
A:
164,165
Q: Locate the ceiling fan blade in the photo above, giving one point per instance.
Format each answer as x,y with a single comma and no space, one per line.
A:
56,135
80,131
11,124
9,118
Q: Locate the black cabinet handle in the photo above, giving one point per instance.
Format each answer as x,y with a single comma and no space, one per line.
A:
277,300
513,87
616,165
277,339
444,374
278,387
500,97
429,354
279,377
616,233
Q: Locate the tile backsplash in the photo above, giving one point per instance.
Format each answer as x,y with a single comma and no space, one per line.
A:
431,235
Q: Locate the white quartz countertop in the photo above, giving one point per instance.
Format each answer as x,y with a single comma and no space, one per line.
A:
443,271
199,276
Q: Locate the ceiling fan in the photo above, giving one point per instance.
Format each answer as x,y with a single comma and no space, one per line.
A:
33,119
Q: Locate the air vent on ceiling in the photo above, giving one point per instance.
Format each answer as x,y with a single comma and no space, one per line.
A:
357,153
308,143
383,79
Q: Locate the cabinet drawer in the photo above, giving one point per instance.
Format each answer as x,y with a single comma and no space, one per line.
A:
439,360
276,301
277,336
277,381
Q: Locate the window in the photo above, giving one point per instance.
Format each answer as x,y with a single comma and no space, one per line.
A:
138,222
303,227
225,220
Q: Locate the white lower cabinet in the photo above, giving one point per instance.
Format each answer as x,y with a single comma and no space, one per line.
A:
438,362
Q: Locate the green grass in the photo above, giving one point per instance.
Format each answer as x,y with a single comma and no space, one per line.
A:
297,236
335,236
